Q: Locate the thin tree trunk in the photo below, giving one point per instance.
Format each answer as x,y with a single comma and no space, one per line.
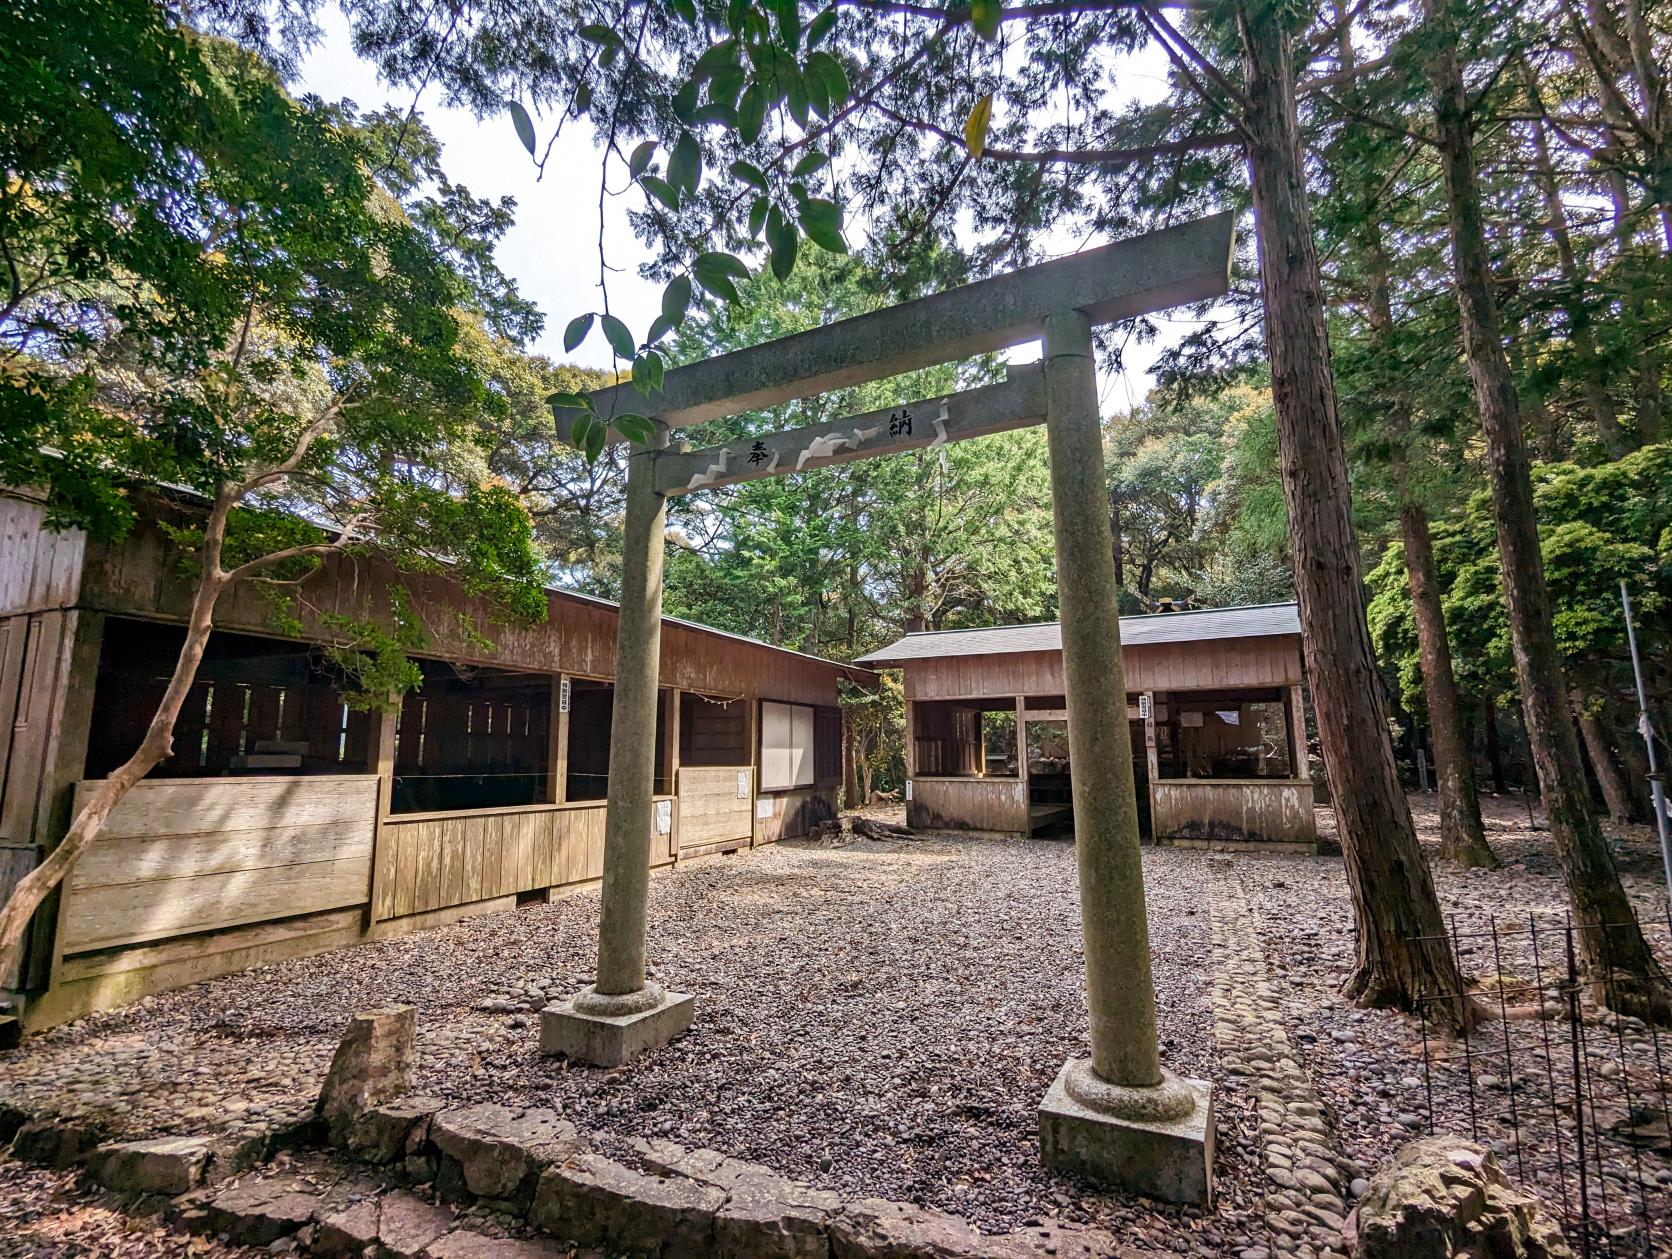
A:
1494,748
154,748
1597,399
1401,958
1462,833
1618,957
1616,794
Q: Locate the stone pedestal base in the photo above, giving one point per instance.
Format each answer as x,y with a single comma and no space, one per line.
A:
1168,1159
611,1040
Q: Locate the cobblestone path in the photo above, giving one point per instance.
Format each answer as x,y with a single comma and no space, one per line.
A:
1306,1177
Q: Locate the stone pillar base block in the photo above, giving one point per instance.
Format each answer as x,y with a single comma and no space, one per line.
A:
1171,1160
605,1041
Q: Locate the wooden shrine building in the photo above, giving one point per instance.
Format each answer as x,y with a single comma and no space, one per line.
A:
1215,705
286,822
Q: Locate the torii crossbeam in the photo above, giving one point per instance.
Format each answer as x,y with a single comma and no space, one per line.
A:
1118,1115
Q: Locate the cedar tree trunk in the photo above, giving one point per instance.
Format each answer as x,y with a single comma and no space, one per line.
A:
1618,958
1401,955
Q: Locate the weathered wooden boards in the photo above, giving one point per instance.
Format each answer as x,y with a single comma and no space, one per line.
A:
180,856
716,805
996,806
1233,813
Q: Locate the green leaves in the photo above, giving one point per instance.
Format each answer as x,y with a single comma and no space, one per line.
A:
814,161
783,242
524,125
676,299
635,428
639,162
576,332
832,78
619,337
661,190
685,163
716,272
751,113
648,369
984,17
975,128
749,174
822,221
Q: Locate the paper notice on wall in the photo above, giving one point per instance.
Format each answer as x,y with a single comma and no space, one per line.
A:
763,807
742,784
664,816
908,789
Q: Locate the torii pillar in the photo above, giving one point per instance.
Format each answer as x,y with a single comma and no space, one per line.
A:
1118,1116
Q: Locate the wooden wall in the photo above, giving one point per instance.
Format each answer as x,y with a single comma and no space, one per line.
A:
40,569
786,814
946,739
1226,662
716,806
434,861
1233,812
180,856
987,805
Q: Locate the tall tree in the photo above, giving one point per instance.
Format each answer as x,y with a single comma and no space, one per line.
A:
1401,957
211,290
1617,953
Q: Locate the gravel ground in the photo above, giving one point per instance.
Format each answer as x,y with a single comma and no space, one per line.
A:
1368,1066
49,1215
880,1020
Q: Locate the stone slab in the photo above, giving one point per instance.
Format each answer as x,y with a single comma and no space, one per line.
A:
613,1042
406,1225
388,1133
1171,1161
462,1243
259,1212
590,1200
171,1165
873,1228
496,1151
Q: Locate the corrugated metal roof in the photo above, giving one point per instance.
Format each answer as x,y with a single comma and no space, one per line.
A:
1258,620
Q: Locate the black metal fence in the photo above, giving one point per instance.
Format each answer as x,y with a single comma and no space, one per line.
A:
1572,1097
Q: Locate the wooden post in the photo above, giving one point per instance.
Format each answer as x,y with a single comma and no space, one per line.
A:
380,760
632,774
557,743
670,763
1299,764
1022,765
73,676
751,724
1152,759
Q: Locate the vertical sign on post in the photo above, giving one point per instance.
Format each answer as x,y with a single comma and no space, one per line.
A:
563,690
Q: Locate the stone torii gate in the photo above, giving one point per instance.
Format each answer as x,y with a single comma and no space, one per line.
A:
1119,1115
